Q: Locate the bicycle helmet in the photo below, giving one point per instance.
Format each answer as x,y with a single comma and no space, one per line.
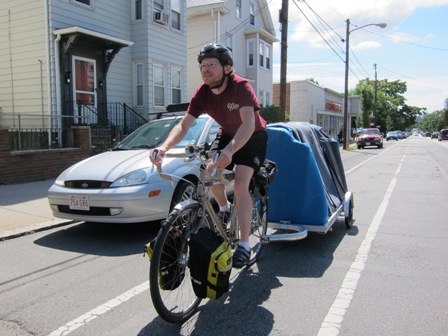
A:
217,51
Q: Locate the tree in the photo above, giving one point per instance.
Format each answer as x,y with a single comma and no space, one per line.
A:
365,90
434,121
271,114
392,113
312,80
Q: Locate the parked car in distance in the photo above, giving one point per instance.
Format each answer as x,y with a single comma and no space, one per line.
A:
434,135
443,135
428,134
370,137
122,186
392,135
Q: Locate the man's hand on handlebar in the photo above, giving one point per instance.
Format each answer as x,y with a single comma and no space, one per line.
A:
220,161
156,156
223,160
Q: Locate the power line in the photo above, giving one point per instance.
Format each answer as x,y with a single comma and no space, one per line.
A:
406,42
317,31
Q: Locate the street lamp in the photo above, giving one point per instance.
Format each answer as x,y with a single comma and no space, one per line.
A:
345,132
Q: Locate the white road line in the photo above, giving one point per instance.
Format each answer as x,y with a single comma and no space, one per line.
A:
100,310
364,162
335,316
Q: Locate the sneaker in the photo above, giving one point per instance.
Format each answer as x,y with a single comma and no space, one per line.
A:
241,257
224,217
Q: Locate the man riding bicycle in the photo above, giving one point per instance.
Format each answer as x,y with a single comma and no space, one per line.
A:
242,140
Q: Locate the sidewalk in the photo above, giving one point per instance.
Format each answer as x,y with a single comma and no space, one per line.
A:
24,208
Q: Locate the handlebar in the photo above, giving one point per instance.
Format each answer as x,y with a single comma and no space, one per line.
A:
190,153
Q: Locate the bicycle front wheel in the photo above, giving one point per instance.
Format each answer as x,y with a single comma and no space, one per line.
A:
169,276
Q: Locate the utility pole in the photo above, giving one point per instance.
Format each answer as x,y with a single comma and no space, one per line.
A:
346,133
283,19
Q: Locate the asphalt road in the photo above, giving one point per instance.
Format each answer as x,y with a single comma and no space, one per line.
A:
385,276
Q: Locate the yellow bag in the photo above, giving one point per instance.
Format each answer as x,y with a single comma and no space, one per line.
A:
171,271
210,263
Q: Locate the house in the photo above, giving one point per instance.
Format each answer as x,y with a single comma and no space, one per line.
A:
246,28
309,102
90,62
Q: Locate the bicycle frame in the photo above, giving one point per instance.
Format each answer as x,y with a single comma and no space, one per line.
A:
202,198
294,232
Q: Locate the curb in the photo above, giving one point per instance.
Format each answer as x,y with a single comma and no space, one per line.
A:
26,230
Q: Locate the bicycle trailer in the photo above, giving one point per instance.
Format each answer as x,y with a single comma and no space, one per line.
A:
309,193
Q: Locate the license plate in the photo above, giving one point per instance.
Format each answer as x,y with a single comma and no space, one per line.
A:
367,143
76,202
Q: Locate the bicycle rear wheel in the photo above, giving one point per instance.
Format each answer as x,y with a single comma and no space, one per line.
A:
169,276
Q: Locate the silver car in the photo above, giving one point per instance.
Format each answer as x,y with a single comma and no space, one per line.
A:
122,186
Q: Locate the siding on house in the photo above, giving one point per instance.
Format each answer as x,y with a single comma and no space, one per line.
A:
162,45
23,60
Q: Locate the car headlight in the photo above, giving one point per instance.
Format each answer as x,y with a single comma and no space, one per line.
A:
130,179
60,180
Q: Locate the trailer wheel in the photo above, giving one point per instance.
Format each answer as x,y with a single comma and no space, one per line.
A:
349,216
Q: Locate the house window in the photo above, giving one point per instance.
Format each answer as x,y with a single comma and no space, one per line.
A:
252,14
158,5
250,53
176,88
175,14
159,85
139,84
229,42
268,56
138,10
88,3
265,55
239,14
261,98
268,99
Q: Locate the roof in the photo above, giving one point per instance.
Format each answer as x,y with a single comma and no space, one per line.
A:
107,40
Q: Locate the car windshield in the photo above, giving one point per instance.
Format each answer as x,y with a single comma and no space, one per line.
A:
367,132
155,132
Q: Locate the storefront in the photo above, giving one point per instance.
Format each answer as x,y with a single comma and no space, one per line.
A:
309,102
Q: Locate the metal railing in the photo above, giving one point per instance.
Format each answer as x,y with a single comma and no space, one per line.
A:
109,124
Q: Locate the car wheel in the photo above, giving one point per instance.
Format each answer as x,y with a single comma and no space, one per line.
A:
359,147
349,216
182,192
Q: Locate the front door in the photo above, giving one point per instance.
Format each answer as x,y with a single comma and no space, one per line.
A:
84,90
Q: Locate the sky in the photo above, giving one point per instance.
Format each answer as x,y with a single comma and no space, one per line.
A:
413,48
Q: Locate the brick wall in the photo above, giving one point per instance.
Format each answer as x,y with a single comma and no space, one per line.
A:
35,165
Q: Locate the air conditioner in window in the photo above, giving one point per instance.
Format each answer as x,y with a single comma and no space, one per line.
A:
161,17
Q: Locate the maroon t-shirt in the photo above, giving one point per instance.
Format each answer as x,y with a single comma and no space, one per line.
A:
225,107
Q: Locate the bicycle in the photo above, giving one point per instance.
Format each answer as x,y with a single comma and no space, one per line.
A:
169,278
